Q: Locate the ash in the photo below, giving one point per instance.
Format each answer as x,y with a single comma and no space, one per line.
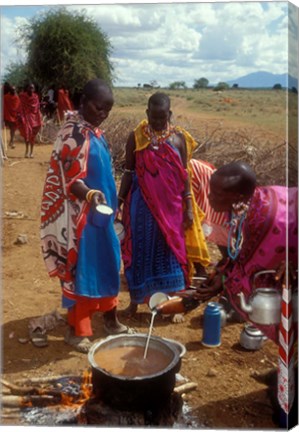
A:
50,417
186,420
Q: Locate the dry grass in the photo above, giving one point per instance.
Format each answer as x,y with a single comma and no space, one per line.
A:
233,125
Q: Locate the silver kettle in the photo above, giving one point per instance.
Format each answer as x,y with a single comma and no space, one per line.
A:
264,306
251,338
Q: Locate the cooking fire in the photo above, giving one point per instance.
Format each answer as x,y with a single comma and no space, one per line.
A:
71,400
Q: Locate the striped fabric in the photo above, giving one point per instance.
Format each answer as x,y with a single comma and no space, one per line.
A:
216,221
286,362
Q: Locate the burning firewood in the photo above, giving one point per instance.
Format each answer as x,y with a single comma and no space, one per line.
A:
22,401
19,390
26,391
46,380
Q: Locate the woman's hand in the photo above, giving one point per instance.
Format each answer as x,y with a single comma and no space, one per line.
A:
98,198
210,289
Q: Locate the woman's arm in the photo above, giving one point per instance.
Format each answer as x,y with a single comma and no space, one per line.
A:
180,143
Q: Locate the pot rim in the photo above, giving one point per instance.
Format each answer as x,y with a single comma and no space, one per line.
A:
181,347
144,336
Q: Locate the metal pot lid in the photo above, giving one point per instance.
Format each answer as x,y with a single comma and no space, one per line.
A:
252,330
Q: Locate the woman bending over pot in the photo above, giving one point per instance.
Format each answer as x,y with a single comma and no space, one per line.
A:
263,235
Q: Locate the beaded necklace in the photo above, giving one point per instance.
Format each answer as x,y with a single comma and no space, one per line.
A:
235,235
157,138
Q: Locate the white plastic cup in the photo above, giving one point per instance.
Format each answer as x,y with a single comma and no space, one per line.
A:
101,215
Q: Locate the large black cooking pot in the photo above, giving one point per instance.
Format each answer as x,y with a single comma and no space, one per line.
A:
138,392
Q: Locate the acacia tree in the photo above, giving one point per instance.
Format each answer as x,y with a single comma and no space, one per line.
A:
66,48
201,83
177,85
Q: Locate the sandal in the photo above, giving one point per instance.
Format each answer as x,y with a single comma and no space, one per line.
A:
38,337
80,343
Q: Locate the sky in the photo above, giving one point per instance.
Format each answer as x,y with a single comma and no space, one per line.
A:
176,41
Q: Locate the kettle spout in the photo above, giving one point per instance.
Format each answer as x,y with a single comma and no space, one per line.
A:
244,306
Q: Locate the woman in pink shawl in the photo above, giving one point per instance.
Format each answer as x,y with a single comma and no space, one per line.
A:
157,208
29,118
263,235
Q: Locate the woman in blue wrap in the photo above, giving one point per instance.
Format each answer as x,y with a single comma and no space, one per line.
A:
85,257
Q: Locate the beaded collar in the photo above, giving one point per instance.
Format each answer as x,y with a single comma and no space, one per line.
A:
157,137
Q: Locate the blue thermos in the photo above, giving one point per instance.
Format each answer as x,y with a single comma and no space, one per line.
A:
211,325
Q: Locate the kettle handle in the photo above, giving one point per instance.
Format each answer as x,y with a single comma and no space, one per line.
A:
260,273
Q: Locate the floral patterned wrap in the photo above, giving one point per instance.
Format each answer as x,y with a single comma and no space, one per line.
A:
63,216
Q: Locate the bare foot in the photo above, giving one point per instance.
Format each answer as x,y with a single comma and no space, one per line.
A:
80,343
177,318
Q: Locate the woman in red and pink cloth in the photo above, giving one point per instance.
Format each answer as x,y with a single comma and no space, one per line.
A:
11,104
29,117
64,103
263,235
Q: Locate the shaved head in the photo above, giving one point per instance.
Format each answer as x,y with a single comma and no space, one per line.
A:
237,177
96,87
159,99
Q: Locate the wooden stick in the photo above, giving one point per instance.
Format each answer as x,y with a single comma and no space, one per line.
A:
16,390
43,380
15,416
14,401
10,410
185,388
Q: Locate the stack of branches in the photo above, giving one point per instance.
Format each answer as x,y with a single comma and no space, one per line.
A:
217,144
264,152
117,128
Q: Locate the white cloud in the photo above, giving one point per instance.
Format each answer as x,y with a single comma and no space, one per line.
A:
185,41
9,48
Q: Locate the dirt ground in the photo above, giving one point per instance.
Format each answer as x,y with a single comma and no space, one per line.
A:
227,396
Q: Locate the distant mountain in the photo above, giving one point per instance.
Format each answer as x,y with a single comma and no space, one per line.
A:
264,79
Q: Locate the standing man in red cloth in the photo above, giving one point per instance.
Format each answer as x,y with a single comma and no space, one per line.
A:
11,104
29,118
